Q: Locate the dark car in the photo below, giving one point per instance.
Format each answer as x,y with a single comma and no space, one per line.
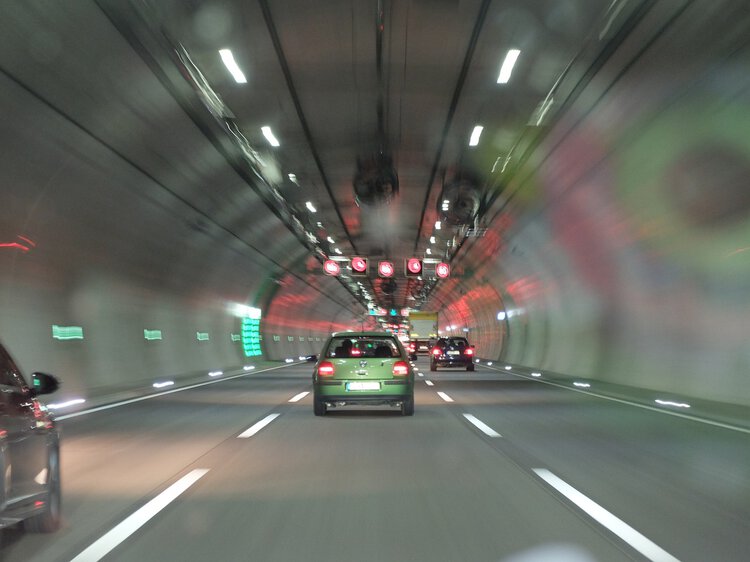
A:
365,369
452,352
423,345
29,451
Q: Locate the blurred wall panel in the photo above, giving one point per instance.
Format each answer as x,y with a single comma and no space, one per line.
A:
627,256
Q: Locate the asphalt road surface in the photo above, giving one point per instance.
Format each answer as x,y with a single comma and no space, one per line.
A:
492,467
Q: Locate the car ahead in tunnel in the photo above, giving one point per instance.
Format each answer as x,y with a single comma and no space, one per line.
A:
452,352
363,368
29,451
423,346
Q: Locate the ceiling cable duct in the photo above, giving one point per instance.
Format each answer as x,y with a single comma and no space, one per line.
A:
376,180
481,16
301,115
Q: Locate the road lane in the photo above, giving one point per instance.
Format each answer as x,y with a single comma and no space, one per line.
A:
365,484
113,460
684,484
370,484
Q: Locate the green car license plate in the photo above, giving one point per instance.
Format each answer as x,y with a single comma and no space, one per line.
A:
363,385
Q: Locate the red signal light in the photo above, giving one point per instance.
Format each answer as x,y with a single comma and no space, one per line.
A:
385,269
331,267
442,270
413,267
400,369
359,266
325,369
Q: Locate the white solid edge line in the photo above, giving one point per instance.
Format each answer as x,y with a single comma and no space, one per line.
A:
645,546
481,426
429,383
255,428
299,396
156,395
445,397
101,547
637,405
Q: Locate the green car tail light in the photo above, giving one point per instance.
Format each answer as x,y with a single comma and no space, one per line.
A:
400,369
325,369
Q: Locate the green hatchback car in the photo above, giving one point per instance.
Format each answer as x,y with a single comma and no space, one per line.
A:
363,368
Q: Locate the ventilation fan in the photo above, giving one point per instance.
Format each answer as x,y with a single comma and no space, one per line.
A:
458,203
376,181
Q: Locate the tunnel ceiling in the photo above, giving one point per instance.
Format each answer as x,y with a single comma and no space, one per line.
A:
372,86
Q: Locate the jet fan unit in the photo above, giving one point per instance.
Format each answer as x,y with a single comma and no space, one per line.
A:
458,204
376,181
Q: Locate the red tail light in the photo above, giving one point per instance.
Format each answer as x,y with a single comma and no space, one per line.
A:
412,347
436,351
468,351
400,369
356,352
325,369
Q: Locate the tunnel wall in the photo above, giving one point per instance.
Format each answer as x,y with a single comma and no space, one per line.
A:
626,256
95,253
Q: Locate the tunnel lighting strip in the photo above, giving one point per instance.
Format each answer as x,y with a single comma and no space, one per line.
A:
481,426
648,548
445,397
637,405
156,395
255,428
130,525
227,57
299,396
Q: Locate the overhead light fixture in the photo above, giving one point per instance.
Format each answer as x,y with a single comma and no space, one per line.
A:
228,58
475,134
331,240
507,67
338,251
428,251
268,133
432,239
293,178
438,225
311,207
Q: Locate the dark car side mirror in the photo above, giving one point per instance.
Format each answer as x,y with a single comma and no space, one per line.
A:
42,383
412,357
312,358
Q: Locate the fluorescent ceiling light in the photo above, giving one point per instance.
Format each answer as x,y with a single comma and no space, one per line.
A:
331,240
311,207
339,252
432,239
428,252
268,133
507,67
475,134
231,64
293,178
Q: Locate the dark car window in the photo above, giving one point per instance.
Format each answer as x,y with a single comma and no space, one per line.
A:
453,342
343,347
9,373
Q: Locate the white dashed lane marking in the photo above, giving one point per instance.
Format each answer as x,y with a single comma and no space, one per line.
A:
483,427
258,426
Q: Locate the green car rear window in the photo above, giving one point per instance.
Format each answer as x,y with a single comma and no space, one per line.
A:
346,347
